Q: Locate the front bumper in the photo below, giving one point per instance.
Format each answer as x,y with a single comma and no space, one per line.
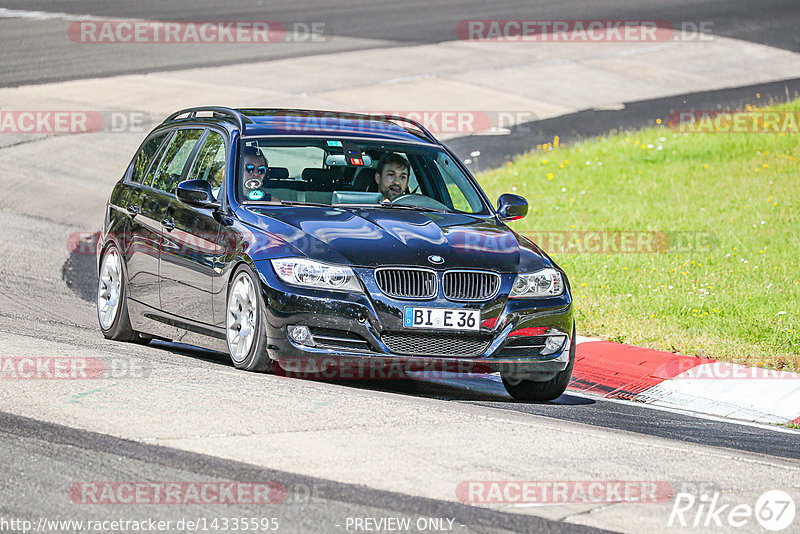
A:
359,330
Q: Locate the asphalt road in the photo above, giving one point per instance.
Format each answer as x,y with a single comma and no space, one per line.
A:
153,429
43,459
39,50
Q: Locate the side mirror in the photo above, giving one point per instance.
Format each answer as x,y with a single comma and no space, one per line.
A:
196,193
511,207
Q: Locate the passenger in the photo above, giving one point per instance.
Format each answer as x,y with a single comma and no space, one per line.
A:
392,176
256,168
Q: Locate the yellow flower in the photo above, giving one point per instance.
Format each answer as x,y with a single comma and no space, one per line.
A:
658,121
549,175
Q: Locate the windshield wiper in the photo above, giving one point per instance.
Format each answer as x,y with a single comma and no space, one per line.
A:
298,203
407,207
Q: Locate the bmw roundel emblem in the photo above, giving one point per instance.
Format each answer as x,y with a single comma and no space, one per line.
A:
437,260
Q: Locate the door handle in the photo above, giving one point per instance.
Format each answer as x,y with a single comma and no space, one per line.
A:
169,224
133,210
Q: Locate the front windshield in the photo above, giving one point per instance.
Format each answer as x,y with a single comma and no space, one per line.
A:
354,172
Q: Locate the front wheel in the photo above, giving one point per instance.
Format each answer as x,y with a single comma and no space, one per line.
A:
540,391
244,324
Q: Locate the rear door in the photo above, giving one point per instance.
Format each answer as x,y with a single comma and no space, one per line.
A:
145,209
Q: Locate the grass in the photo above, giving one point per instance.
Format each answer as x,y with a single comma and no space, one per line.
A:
723,211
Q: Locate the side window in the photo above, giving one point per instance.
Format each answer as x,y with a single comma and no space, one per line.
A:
209,164
145,157
148,180
169,171
462,196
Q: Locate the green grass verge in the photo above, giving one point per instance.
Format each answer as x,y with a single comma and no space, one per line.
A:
722,209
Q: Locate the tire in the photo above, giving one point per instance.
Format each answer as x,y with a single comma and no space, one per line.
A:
531,390
112,298
244,311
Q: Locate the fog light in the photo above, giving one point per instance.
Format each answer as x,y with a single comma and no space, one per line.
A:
302,335
553,345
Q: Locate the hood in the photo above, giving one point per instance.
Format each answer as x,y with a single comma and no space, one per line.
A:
372,237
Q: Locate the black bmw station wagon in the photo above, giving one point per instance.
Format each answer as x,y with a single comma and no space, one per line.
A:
282,236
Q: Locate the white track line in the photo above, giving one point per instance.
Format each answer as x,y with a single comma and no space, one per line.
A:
48,15
698,415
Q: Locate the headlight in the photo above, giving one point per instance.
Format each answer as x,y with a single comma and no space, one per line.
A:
544,283
308,273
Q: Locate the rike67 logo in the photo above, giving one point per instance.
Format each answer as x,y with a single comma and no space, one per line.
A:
774,510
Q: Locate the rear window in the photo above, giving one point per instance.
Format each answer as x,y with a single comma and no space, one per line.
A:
145,157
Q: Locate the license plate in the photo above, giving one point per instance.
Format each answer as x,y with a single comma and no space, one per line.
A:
443,318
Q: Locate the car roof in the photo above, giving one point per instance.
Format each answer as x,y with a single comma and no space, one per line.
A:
305,122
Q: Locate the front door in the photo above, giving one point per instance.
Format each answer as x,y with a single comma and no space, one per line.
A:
190,248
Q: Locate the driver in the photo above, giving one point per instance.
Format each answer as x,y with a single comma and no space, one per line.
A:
392,176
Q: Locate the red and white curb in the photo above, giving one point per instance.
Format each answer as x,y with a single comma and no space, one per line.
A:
664,379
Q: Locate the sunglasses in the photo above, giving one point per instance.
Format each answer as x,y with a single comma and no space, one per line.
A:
252,168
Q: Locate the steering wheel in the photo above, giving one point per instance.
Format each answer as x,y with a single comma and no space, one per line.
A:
398,200
412,199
